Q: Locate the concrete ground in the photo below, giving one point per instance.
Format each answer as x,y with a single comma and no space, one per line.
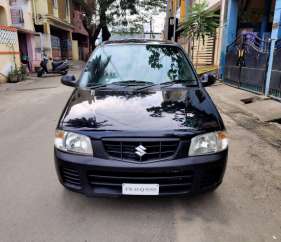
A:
35,207
263,108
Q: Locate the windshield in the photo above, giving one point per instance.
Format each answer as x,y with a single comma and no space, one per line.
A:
154,64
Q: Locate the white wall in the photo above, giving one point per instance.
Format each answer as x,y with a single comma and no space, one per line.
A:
5,4
41,9
26,7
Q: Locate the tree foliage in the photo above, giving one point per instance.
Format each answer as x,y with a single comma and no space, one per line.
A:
123,15
201,22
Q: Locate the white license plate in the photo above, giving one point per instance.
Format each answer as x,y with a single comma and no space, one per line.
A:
140,189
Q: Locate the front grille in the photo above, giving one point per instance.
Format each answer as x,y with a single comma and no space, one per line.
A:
71,177
155,150
170,182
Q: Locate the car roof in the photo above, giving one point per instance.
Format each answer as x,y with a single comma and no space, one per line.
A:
140,41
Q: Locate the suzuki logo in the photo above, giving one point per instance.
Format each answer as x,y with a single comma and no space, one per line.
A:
140,151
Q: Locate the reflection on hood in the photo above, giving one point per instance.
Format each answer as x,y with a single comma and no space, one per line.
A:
169,109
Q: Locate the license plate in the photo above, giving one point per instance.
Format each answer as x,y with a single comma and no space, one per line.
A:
140,189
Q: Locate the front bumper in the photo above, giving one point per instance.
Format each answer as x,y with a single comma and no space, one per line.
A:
100,177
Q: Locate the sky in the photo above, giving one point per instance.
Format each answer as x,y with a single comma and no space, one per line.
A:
157,23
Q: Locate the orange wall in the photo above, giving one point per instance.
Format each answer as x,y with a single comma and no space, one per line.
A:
183,10
175,5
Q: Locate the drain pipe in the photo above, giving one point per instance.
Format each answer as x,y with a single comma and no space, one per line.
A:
269,67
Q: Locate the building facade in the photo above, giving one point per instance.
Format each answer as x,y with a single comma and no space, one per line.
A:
251,49
207,53
22,19
176,12
5,17
30,27
52,19
80,35
9,49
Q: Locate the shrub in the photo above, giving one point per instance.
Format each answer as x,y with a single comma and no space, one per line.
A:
17,74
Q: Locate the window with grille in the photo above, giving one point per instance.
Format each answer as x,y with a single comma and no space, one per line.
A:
17,16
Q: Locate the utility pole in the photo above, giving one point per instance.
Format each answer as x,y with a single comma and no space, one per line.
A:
150,24
175,19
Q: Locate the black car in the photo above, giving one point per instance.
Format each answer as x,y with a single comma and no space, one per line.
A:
139,122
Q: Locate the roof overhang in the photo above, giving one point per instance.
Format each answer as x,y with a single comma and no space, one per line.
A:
77,31
26,31
58,23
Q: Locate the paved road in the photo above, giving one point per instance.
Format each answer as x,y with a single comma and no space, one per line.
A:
35,207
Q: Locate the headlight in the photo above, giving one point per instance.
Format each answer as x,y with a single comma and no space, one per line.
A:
208,143
72,142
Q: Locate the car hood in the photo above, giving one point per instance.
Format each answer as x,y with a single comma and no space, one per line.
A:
157,110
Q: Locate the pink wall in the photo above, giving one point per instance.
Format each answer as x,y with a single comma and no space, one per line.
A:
33,56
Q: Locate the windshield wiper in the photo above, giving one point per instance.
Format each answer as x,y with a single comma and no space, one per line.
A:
121,83
145,84
188,83
171,83
132,83
97,86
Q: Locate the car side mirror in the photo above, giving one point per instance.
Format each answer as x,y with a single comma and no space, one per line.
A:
208,79
69,80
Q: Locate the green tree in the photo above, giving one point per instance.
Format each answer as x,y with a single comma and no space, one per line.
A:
201,22
131,14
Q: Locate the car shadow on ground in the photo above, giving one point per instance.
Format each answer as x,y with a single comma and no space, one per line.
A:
209,207
206,206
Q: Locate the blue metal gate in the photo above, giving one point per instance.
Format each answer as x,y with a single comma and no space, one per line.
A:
275,82
246,62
